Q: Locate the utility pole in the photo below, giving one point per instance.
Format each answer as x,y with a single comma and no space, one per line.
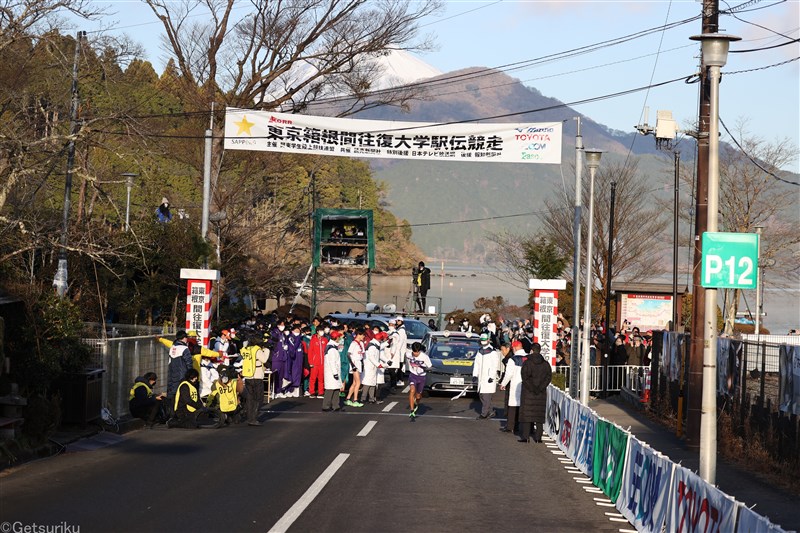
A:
574,366
676,203
60,281
609,342
695,389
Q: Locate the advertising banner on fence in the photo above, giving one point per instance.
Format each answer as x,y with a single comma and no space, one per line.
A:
584,440
531,142
751,522
646,479
610,444
561,419
697,507
789,365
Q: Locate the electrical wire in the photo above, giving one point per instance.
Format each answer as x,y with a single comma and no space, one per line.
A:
752,160
764,48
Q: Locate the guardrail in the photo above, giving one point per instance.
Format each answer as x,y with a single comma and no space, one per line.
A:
617,377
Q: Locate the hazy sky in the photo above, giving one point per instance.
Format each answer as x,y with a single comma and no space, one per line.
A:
499,33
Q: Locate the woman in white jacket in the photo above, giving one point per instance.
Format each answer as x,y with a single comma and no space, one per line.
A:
332,378
369,377
513,380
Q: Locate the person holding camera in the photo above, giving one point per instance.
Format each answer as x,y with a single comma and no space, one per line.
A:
422,284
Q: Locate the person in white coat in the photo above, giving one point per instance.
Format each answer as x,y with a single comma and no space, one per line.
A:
332,378
485,371
396,354
369,376
513,381
402,346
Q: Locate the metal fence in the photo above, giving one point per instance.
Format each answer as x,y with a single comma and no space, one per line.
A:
762,351
617,377
124,359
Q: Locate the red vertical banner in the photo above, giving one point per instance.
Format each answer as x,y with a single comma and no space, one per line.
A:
198,308
545,323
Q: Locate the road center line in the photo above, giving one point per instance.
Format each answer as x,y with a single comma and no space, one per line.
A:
364,432
389,407
300,505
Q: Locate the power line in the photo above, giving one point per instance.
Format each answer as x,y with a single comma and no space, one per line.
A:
530,213
752,160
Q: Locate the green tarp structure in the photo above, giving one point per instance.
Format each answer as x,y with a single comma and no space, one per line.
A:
356,236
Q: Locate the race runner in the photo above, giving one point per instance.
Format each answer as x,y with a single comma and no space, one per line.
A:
418,364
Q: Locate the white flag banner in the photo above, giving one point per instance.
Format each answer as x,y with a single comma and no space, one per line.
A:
531,142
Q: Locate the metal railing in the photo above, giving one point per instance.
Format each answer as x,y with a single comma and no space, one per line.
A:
617,377
124,359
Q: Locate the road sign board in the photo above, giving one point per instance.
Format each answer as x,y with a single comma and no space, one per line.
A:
730,260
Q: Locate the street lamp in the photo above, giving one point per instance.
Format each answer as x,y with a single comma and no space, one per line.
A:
592,161
715,55
129,184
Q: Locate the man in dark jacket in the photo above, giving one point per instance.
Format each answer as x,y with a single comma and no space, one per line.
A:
187,402
180,361
142,403
422,282
536,376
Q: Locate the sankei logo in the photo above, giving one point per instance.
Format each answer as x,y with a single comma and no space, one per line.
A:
273,120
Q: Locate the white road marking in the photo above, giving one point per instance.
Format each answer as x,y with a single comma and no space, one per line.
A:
313,491
619,520
601,504
614,514
628,531
557,452
408,388
364,432
606,500
389,407
582,480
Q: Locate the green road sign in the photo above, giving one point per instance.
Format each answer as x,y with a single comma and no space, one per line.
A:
730,260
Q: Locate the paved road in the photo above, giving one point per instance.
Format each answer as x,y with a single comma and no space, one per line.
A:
368,469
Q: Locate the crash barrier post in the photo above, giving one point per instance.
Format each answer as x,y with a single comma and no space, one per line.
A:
647,488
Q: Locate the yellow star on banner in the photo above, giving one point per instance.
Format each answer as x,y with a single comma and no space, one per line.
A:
244,126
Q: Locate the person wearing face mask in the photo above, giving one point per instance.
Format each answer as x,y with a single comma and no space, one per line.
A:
356,355
295,361
451,325
280,360
394,354
485,371
619,355
465,326
402,346
316,360
372,360
536,376
333,373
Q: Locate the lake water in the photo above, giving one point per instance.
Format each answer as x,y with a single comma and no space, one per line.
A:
459,285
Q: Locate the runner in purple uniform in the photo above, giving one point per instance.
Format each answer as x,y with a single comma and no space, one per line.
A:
418,364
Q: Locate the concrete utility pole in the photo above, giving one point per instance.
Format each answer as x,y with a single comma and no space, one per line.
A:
609,270
695,389
676,204
60,280
576,271
715,55
592,161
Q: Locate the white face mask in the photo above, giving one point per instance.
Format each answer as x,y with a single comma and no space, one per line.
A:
281,328
327,330
452,321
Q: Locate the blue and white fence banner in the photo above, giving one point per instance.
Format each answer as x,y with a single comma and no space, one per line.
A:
584,440
646,481
697,507
751,522
790,379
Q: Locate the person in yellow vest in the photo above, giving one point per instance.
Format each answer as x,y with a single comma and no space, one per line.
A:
254,357
224,398
197,351
187,402
143,403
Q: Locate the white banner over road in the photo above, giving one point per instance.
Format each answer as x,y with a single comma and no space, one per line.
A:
246,129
